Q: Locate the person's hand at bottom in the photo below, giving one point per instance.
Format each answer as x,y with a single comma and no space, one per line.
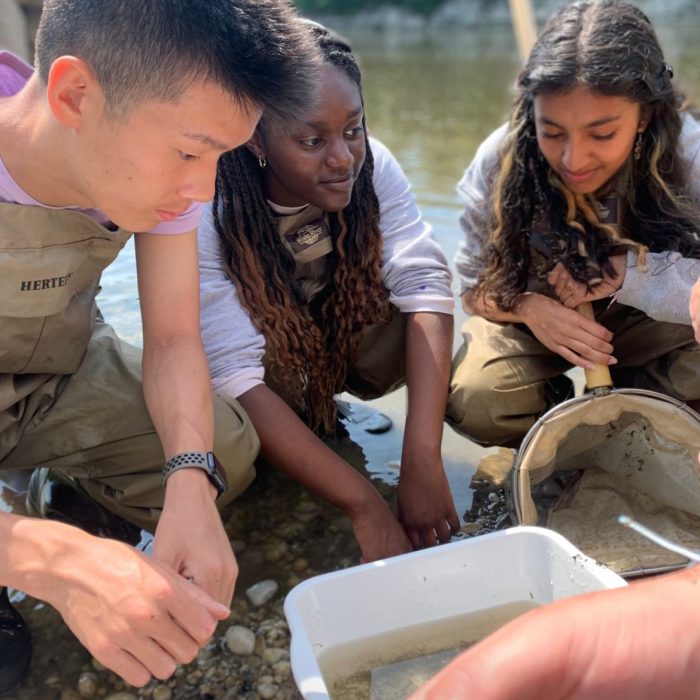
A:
636,643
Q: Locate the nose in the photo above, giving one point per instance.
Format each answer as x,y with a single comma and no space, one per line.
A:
340,156
573,158
198,184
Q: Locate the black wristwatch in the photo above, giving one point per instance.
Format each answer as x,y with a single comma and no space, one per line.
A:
206,461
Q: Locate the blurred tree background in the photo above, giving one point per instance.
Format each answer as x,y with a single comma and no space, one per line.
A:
350,7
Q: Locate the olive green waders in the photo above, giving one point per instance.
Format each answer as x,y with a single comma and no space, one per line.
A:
71,394
500,375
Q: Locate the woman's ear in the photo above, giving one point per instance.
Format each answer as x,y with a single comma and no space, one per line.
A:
644,119
255,146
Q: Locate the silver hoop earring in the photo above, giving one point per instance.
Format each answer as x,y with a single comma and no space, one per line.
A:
262,161
638,146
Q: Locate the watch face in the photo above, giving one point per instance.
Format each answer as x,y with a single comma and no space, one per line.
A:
217,473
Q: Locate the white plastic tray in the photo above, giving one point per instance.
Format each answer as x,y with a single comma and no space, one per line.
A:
519,564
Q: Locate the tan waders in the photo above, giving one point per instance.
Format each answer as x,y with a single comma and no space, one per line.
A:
500,374
379,364
70,391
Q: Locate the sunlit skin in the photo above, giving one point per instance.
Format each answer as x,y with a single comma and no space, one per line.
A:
317,159
151,166
143,166
586,137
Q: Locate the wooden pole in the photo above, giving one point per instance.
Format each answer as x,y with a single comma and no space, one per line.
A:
524,26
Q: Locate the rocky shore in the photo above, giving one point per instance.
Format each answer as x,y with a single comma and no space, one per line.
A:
281,535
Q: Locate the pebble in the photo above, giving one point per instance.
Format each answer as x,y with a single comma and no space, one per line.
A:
471,528
267,691
274,654
240,640
70,694
282,668
300,565
121,695
87,685
162,692
263,591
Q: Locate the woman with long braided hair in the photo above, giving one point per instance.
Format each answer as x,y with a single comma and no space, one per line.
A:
319,276
589,193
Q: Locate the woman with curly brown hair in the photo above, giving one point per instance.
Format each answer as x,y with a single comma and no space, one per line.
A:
589,193
319,276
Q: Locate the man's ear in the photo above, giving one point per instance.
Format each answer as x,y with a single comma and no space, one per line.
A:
72,91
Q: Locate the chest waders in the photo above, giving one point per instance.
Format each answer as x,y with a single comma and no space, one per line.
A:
51,261
379,365
71,392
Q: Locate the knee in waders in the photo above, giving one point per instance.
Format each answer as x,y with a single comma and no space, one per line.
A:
55,496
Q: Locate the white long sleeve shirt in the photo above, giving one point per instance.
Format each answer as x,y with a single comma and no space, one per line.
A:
414,270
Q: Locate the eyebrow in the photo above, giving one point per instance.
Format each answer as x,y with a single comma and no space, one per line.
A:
208,141
320,125
598,122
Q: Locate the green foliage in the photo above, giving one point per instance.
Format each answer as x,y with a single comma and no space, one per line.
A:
349,7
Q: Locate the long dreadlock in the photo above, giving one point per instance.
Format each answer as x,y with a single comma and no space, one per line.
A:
307,350
610,48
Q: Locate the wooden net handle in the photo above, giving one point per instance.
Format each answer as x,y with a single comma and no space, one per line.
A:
599,376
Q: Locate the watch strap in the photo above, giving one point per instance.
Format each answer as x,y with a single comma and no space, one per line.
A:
206,461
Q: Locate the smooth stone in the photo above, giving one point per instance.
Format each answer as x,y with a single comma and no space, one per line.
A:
282,668
70,694
87,685
162,692
268,691
121,695
272,655
300,565
263,591
240,640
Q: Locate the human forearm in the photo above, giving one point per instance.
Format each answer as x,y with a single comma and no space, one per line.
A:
30,549
178,394
426,508
428,361
320,470
311,462
478,305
